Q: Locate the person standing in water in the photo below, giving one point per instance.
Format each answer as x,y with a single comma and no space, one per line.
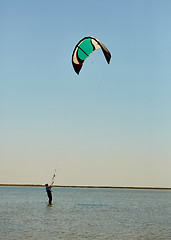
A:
49,193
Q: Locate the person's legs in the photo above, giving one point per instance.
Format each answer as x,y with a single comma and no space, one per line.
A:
50,197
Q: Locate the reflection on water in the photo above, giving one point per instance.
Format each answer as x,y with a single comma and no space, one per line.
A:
84,214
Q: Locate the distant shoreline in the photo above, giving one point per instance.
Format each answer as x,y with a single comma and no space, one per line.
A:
68,186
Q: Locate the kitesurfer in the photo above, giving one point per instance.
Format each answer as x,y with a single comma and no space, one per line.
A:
49,193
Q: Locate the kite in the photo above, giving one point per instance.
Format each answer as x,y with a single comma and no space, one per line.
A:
84,48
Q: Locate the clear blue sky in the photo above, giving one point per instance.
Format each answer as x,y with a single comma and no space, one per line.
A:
111,125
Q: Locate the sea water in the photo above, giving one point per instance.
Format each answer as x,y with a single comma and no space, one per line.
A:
84,213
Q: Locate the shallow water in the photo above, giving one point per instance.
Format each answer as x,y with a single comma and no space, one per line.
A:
79,213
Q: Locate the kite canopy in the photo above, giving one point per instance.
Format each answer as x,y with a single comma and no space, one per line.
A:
84,48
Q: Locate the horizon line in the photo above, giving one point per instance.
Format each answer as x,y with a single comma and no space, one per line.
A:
83,186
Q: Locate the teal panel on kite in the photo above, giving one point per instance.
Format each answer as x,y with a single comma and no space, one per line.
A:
84,48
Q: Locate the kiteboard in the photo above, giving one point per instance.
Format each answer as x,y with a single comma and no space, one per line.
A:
49,205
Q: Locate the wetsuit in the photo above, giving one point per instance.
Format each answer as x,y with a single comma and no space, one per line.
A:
48,190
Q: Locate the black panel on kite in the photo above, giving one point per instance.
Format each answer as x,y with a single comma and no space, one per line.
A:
84,48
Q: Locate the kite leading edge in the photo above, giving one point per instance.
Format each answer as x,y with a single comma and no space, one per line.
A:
84,48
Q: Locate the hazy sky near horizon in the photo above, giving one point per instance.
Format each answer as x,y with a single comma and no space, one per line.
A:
111,125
